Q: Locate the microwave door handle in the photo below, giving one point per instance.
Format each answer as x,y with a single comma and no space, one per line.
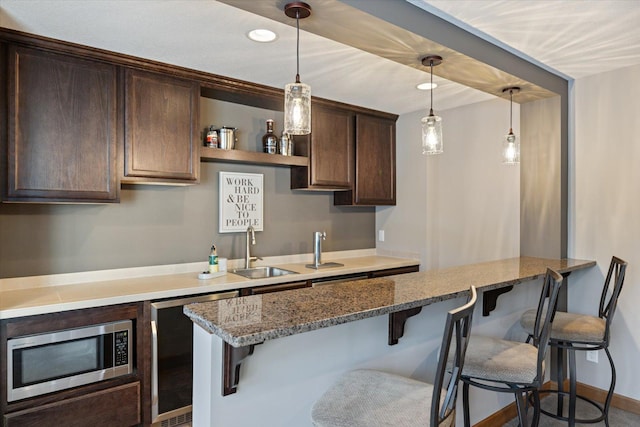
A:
154,370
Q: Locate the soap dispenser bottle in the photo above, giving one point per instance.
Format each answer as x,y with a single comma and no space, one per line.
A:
213,260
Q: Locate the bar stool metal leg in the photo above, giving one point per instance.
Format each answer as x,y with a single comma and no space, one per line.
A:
607,402
521,407
465,404
560,379
536,408
572,387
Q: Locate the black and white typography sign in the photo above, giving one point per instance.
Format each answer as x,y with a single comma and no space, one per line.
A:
241,197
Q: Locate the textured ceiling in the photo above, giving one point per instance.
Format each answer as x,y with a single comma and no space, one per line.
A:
576,37
210,36
373,31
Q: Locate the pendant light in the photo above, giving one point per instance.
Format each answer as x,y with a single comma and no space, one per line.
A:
511,144
432,124
297,96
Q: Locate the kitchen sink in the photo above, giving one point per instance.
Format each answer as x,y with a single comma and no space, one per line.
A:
262,272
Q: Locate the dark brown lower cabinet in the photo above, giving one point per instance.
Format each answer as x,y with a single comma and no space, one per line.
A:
117,406
115,402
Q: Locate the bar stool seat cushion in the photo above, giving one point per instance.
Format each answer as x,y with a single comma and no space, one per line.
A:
570,326
503,361
365,398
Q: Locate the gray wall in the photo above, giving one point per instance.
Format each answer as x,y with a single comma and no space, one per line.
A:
605,214
541,196
462,206
155,225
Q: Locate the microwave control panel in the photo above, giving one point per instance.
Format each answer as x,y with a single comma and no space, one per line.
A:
121,348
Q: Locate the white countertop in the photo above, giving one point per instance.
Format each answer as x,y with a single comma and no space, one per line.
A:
48,294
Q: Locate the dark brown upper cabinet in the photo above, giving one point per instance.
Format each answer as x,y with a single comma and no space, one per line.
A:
330,149
375,163
161,129
76,121
62,128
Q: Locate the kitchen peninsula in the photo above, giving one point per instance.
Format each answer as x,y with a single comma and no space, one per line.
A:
347,330
145,299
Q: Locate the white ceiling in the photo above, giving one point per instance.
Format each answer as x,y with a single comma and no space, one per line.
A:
575,37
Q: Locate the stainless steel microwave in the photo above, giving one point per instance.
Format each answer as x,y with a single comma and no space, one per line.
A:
53,361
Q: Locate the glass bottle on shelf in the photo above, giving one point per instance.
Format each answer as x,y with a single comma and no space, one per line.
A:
285,145
269,139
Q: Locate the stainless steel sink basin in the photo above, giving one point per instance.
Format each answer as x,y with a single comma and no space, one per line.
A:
262,272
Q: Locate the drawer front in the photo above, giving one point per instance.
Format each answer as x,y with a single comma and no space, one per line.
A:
393,271
274,288
117,406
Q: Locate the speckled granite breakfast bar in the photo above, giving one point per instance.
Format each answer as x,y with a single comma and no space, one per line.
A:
258,318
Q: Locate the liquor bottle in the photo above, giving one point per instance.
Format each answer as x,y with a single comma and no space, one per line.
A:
269,139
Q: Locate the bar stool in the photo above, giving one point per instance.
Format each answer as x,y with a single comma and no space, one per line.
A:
573,332
511,366
369,398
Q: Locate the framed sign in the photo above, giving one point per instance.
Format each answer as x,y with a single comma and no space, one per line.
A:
241,198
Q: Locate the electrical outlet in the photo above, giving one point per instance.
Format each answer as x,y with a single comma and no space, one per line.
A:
592,356
381,235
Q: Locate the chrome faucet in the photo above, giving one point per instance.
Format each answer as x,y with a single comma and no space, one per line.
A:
318,237
248,258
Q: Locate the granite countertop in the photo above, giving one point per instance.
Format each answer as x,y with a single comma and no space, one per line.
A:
49,294
257,318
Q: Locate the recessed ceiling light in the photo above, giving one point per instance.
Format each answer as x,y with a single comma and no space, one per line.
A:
262,36
427,86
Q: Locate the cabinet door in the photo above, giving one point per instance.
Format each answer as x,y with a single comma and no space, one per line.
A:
161,129
117,406
375,177
62,128
330,150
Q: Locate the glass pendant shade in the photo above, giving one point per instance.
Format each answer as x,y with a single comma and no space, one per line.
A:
297,109
297,96
431,124
431,134
510,143
511,149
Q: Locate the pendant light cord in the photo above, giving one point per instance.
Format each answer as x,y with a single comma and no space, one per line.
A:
511,111
431,106
297,46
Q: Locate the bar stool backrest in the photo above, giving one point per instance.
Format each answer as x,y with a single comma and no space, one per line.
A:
459,320
617,270
544,317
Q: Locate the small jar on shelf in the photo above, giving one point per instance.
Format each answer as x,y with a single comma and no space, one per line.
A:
212,137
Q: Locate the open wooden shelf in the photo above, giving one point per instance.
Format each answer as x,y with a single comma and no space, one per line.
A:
238,156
